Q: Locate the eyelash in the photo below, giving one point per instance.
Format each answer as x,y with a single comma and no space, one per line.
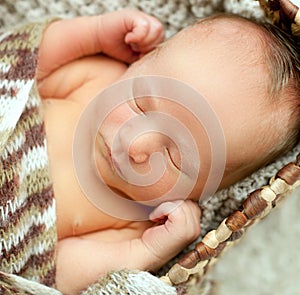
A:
140,110
171,159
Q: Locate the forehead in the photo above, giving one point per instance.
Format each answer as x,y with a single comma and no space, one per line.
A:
221,42
224,60
221,58
218,56
209,49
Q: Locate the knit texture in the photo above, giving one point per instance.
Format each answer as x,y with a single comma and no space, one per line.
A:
129,282
174,14
27,205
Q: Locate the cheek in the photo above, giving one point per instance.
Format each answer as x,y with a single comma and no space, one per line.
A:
165,187
114,120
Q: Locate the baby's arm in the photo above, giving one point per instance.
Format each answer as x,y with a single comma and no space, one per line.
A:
124,35
82,261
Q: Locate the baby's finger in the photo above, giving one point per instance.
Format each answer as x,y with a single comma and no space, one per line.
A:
163,210
154,37
140,28
146,42
192,209
186,216
135,47
144,49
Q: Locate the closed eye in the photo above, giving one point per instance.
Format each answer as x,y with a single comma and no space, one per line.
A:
136,106
172,160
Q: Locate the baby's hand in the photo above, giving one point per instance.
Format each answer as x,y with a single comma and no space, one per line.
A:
181,226
125,35
128,34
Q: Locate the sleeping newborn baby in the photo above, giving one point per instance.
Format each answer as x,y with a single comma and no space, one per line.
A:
229,60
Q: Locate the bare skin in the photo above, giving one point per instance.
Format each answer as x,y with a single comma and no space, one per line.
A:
67,81
71,73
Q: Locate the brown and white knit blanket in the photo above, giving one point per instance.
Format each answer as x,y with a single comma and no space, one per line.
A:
27,205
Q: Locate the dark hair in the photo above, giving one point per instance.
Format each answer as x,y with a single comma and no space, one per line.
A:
283,56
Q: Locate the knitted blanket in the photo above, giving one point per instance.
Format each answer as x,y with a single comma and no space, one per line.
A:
28,231
27,204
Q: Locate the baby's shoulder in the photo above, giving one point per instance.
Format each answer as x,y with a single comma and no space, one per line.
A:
88,75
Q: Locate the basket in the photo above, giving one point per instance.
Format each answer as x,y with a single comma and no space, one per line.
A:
189,269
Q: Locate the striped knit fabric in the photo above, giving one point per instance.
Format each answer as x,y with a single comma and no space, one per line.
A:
27,205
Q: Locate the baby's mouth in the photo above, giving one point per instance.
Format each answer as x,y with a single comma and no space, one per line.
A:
116,166
105,150
113,161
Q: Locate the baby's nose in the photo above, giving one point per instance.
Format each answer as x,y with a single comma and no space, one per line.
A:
145,145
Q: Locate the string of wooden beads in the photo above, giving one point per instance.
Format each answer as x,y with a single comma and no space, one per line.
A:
257,205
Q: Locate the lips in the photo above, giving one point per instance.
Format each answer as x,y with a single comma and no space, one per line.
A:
108,150
112,160
103,149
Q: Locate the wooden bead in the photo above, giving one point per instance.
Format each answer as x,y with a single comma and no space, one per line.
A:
166,280
254,204
205,252
289,173
279,186
178,274
267,194
190,259
236,221
223,232
289,10
297,18
210,240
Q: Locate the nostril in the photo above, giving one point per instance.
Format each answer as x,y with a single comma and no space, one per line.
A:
139,158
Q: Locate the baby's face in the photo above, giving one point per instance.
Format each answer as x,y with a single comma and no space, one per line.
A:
223,61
